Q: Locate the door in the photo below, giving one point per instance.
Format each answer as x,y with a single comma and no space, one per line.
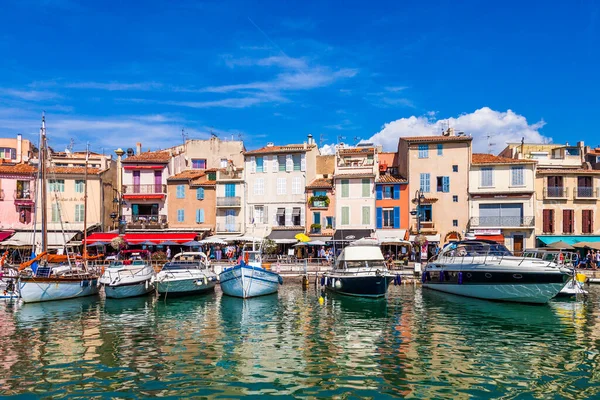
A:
157,182
136,181
518,244
230,221
584,186
230,190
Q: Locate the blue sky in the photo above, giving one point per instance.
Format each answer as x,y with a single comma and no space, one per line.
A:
114,73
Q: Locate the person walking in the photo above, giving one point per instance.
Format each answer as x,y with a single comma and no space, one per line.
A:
597,258
168,253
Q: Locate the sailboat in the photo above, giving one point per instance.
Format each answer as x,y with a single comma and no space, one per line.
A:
47,277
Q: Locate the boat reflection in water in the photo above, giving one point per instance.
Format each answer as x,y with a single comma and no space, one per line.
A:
71,309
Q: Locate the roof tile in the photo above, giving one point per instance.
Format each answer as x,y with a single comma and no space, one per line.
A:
433,139
391,179
320,183
187,175
281,149
160,156
479,158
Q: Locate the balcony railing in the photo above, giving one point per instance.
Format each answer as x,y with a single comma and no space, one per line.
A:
235,227
229,201
146,221
556,192
23,195
584,192
501,221
144,189
231,175
318,204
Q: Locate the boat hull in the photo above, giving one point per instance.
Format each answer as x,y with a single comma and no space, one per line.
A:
533,293
128,290
247,281
359,286
183,287
33,290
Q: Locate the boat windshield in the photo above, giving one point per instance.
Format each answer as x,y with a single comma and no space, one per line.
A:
355,264
172,266
475,248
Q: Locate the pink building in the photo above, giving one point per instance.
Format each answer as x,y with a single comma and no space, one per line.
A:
17,194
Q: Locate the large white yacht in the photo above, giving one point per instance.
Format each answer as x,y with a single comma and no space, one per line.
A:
487,270
129,276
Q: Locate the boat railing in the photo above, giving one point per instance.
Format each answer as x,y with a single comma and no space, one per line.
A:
131,273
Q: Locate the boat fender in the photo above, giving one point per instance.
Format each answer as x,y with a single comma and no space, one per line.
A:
333,282
280,280
441,276
423,277
325,281
338,284
322,280
399,279
460,278
428,276
198,282
205,280
146,285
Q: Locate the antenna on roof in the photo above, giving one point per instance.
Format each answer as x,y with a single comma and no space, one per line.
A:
490,144
322,140
70,146
212,134
184,136
340,138
356,140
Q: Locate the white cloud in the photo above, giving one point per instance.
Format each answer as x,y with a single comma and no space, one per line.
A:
32,95
503,127
327,149
115,86
395,88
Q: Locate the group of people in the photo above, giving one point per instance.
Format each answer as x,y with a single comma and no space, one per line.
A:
592,259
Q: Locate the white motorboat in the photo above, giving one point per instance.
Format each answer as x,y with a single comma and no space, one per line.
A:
128,276
487,270
187,273
8,283
359,271
249,278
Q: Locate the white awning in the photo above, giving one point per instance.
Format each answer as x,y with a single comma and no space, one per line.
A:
430,238
56,240
390,235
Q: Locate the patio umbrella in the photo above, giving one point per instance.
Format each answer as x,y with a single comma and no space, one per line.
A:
316,243
147,243
170,243
192,243
302,237
561,245
587,245
213,241
98,244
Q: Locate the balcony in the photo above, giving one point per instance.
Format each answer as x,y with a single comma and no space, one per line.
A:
230,175
23,197
584,192
557,192
231,228
229,201
146,221
489,222
144,189
318,202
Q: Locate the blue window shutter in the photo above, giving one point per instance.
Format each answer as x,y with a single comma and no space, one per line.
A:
198,216
446,184
396,217
200,193
379,192
396,192
202,215
379,217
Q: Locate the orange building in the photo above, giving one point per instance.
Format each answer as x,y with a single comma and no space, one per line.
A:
192,200
320,204
392,204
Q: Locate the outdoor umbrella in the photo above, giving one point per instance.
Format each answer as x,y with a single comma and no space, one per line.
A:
213,241
561,245
587,245
302,237
170,243
192,243
316,243
147,243
98,244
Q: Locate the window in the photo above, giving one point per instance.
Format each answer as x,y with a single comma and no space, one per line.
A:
425,183
319,193
198,163
455,199
423,151
55,213
369,159
200,216
212,176
568,221
281,162
346,215
180,215
280,217
487,177
388,192
440,149
296,216
7,153
443,184
345,188
548,221
366,215
23,190
230,190
181,191
426,213
79,213
56,185
79,186
223,163
366,187
297,185
200,193
454,222
329,223
281,185
297,159
317,218
259,187
260,164
388,218
517,176
455,168
259,214
587,221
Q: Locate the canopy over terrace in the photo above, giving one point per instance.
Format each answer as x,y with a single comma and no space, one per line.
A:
140,238
570,239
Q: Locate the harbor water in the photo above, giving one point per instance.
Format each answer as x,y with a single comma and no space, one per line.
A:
416,343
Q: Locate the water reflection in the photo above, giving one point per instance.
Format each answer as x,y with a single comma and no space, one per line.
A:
416,343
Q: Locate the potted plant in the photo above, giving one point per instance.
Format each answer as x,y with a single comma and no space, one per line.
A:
315,228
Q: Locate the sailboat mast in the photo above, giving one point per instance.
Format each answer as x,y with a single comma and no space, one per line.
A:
85,199
43,194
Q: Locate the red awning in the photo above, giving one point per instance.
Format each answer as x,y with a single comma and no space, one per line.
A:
133,238
144,196
5,235
101,237
130,167
495,238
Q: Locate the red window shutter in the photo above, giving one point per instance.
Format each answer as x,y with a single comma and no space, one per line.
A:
587,221
546,221
565,221
551,221
584,221
591,219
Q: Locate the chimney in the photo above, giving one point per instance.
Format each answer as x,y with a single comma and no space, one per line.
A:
19,148
270,144
310,139
305,145
138,148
